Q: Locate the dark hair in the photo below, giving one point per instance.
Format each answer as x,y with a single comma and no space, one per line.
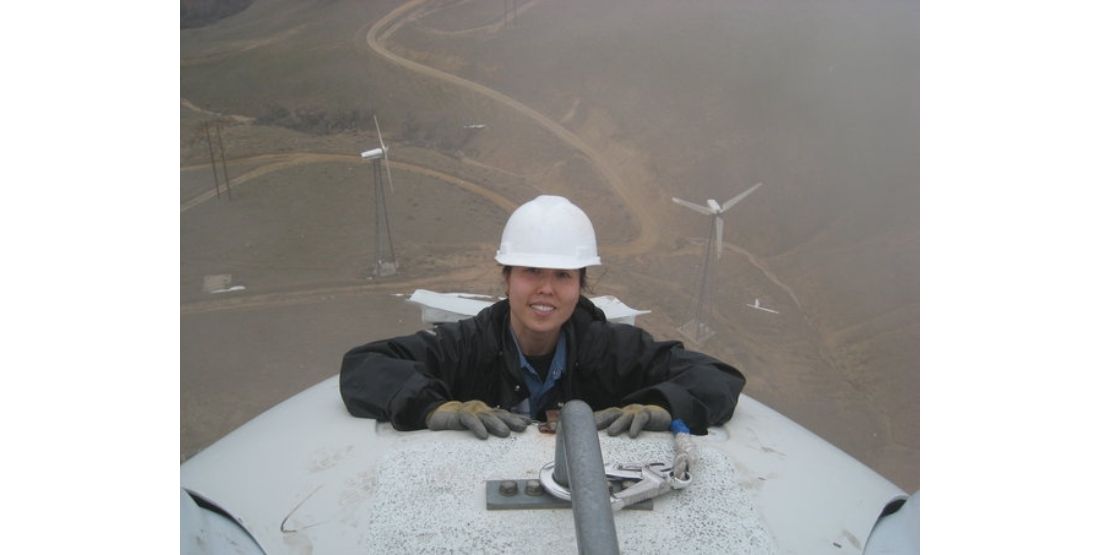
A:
507,270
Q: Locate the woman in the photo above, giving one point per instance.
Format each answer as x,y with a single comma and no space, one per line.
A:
545,345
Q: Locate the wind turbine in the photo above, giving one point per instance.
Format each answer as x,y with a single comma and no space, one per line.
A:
385,261
696,329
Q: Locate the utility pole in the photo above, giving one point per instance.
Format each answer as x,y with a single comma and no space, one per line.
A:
213,162
213,159
225,168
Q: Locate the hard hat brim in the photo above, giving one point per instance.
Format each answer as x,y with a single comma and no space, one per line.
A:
546,261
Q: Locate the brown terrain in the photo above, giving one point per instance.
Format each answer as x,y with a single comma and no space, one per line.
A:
619,106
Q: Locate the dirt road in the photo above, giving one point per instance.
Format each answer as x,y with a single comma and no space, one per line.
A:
277,162
375,37
641,212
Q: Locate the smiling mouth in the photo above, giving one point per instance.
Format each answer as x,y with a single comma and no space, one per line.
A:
542,308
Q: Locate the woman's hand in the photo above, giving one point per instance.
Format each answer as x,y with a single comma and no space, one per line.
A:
635,417
477,417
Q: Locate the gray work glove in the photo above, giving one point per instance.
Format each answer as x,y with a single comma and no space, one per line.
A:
477,417
636,417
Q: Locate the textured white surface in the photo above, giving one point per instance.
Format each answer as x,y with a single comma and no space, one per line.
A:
306,478
430,497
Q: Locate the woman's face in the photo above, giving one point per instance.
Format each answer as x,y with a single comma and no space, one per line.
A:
541,300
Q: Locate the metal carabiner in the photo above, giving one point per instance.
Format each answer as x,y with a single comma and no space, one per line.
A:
649,480
654,479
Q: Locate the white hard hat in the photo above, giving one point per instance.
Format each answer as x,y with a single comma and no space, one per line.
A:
548,232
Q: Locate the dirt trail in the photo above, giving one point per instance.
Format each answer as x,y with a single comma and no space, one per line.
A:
488,28
239,47
646,239
442,281
276,162
239,119
764,270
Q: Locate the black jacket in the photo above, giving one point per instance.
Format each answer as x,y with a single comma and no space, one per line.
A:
403,379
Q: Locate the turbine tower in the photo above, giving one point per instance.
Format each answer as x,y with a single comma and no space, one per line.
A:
696,329
385,261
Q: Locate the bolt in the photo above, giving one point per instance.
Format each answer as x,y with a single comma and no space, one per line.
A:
534,488
509,488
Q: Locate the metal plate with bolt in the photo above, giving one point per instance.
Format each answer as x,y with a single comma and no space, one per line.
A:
504,495
579,479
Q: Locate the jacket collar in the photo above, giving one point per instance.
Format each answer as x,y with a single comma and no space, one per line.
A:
584,314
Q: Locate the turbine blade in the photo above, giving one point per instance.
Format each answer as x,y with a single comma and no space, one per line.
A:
386,163
693,206
718,236
385,153
379,130
729,203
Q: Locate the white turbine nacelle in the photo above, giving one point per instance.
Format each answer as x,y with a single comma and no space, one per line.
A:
474,126
373,154
715,210
711,209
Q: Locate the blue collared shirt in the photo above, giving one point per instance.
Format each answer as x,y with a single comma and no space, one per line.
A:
537,388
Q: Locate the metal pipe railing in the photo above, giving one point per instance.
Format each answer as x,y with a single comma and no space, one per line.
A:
578,465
